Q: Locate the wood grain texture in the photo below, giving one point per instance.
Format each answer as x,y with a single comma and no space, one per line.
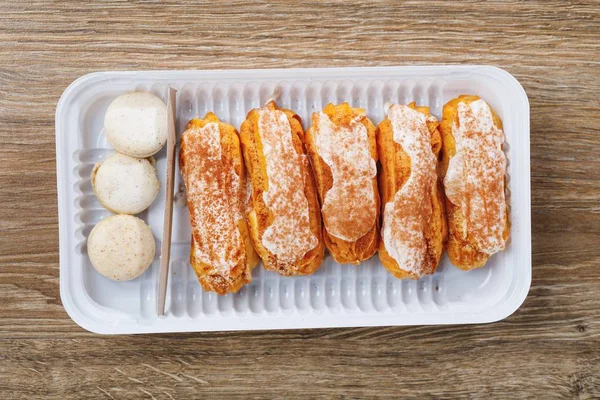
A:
550,348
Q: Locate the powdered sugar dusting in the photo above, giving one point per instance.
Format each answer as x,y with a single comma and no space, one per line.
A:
349,208
475,178
216,199
289,236
408,215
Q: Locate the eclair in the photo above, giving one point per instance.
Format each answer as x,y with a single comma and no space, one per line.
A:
211,165
414,226
284,218
342,148
474,170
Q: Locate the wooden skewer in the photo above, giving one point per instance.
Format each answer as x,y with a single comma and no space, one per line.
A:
165,253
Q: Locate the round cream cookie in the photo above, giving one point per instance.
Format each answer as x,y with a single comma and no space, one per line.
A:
125,185
135,124
121,247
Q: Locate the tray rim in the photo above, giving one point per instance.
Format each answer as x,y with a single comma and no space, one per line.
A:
283,321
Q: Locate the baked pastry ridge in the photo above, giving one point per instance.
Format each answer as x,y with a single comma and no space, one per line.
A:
284,217
474,169
342,146
212,168
414,227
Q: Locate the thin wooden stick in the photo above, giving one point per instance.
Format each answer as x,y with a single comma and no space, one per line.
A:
165,254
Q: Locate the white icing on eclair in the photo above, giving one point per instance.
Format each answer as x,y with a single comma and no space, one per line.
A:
349,207
289,236
407,217
216,199
475,178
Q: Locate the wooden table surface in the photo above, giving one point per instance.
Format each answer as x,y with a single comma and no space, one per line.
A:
549,348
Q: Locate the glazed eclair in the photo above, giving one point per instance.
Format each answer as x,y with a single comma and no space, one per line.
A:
474,170
342,148
284,218
211,165
414,226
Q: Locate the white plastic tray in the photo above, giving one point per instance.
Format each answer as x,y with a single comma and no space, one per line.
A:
336,295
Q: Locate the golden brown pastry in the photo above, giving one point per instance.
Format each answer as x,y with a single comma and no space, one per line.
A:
414,222
342,147
285,224
474,170
211,164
